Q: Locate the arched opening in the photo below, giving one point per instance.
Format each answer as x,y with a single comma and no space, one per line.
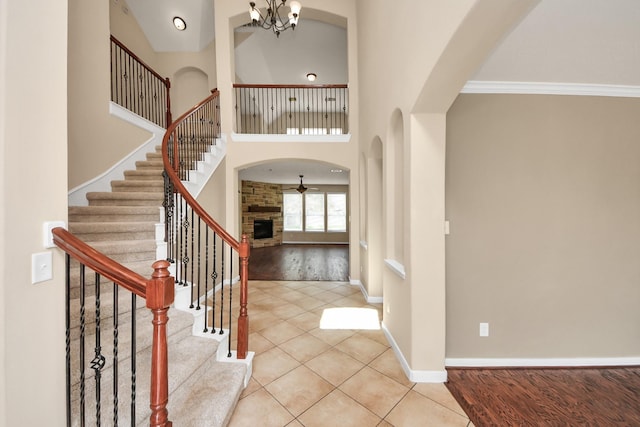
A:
295,213
395,190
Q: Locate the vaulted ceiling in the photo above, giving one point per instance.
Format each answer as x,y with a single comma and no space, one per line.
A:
560,41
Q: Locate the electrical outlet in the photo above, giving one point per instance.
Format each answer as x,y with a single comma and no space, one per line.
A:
484,329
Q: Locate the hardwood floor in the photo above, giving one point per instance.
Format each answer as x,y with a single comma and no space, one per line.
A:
548,397
300,262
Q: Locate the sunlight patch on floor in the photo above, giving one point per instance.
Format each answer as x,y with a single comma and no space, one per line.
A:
349,318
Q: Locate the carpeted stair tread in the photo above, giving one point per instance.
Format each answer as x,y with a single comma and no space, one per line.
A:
101,231
113,213
221,383
154,164
137,185
125,198
143,175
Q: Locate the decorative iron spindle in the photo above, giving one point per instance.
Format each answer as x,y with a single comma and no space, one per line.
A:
192,284
214,277
133,359
82,337
67,322
221,332
116,315
283,109
136,87
98,360
230,299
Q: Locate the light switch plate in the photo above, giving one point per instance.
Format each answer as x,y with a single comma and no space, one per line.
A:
41,267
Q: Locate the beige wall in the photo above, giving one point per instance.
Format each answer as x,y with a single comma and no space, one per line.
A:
97,140
230,13
543,195
33,125
414,70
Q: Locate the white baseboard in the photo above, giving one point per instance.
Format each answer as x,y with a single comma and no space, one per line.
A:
367,297
414,375
540,362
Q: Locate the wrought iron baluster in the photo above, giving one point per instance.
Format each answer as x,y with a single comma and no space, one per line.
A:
230,298
82,336
221,332
214,277
133,360
206,279
193,227
199,263
67,321
115,354
98,360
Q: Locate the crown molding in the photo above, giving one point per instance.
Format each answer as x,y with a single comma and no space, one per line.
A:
542,88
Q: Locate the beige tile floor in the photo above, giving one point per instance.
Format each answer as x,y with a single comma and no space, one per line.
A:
307,376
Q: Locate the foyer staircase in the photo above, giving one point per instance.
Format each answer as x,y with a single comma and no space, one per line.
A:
127,225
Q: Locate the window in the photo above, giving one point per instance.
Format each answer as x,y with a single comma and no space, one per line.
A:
292,207
314,212
336,212
322,212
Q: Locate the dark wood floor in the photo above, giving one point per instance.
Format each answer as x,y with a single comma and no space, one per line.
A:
300,262
548,397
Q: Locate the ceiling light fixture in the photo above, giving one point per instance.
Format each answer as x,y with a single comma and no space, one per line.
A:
312,77
179,23
272,20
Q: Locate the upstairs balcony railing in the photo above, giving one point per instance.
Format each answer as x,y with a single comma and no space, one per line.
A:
137,87
292,109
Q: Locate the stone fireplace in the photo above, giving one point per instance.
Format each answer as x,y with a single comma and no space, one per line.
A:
262,202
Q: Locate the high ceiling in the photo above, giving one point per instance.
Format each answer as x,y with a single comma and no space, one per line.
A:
560,41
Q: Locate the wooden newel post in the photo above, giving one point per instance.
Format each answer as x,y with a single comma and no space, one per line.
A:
160,294
243,319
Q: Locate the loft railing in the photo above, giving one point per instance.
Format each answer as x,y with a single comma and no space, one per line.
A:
137,87
292,109
206,257
101,384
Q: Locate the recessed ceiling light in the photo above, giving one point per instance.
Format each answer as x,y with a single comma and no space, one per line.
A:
179,23
311,77
336,170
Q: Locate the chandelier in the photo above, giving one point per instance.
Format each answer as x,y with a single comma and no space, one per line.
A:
273,19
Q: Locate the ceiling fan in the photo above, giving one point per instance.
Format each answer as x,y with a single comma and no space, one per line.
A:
301,188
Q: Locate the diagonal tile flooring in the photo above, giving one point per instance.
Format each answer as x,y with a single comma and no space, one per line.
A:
307,376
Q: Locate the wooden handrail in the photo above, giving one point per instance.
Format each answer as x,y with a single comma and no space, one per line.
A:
242,247
136,57
272,86
172,172
159,295
99,262
164,81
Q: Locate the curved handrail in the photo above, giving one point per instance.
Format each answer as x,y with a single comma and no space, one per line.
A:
172,172
174,166
99,262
